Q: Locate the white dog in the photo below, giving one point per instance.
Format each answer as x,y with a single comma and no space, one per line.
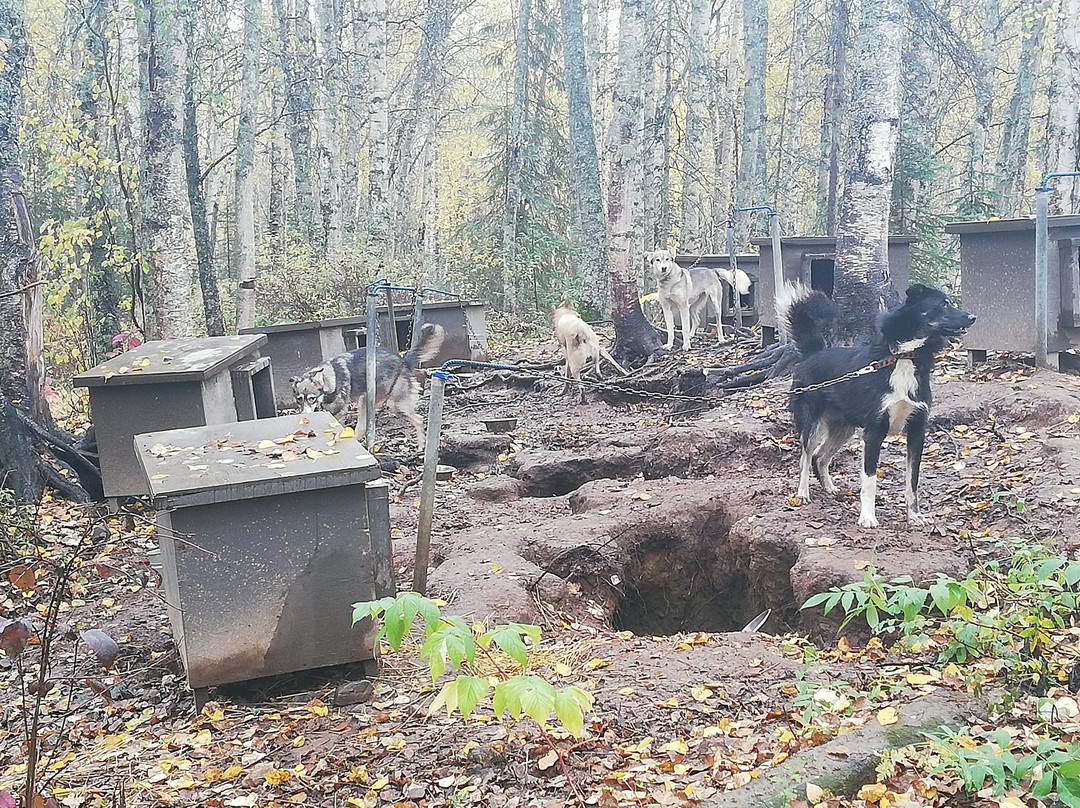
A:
580,344
689,292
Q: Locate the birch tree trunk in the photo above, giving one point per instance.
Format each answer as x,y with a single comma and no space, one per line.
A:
276,215
750,184
416,133
515,159
862,285
164,212
1012,155
977,202
659,114
328,55
378,131
196,194
726,115
294,31
245,167
828,192
635,338
352,200
695,165
788,203
584,163
1064,127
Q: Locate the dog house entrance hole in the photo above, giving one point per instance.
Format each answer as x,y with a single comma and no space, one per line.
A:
822,275
674,582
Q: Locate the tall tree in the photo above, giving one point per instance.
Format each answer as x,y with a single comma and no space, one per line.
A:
635,338
1064,128
791,125
862,284
328,52
515,162
196,192
659,114
977,200
28,435
584,162
750,183
828,190
245,166
1012,159
378,129
164,208
695,206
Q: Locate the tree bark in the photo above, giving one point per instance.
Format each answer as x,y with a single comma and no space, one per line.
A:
1013,153
635,339
788,198
978,202
378,131
515,159
833,114
30,445
584,163
164,209
659,114
328,52
862,285
196,192
1064,127
750,185
696,167
245,167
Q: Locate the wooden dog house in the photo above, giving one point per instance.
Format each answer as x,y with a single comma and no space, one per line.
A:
997,275
812,260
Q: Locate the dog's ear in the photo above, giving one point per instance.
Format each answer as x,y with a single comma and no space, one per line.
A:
294,379
319,380
917,291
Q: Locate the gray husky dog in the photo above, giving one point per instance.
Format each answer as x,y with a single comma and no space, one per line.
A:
342,379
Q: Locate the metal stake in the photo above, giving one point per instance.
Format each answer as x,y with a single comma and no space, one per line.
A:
369,367
777,267
427,484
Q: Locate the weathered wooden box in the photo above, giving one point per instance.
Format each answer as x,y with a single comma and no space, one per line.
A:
270,530
168,384
812,260
296,347
997,279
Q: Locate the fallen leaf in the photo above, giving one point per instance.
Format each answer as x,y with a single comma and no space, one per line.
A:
887,716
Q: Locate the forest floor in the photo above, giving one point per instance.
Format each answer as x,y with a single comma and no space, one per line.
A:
641,542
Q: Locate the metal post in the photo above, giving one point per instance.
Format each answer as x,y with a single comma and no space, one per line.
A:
733,265
369,355
391,337
417,317
1042,202
427,483
777,267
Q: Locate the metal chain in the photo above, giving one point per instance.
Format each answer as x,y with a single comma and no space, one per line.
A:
877,364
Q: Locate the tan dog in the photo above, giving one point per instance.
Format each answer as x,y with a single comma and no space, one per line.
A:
690,293
580,344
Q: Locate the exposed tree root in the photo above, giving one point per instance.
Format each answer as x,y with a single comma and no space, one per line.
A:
33,458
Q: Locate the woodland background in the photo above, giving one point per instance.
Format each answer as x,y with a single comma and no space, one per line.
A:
176,150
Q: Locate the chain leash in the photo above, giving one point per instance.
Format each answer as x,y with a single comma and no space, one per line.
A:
877,364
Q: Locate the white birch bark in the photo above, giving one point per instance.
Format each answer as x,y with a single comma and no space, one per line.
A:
862,286
515,158
328,55
165,220
245,167
378,131
1064,125
750,183
696,165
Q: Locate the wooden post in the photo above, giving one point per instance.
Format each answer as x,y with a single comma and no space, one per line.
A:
427,484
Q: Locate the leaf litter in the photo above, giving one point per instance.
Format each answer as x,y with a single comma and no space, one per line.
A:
677,720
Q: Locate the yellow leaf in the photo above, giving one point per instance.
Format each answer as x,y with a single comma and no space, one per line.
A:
159,476
872,792
814,793
678,746
317,707
381,783
920,678
276,777
861,564
641,496
596,663
347,432
298,740
562,669
887,716
266,444
213,711
184,781
314,454
700,693
231,772
202,738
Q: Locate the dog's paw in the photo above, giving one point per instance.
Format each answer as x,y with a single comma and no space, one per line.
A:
867,520
918,519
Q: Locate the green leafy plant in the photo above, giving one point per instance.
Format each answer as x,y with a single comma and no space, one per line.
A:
1012,609
449,640
999,762
1013,494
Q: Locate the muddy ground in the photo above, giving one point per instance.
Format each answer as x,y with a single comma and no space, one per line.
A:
642,543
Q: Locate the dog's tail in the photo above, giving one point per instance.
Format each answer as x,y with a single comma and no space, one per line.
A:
806,314
735,278
427,347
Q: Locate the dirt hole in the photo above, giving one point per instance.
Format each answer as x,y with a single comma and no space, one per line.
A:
688,577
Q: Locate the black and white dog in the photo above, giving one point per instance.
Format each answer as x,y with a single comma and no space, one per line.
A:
892,398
